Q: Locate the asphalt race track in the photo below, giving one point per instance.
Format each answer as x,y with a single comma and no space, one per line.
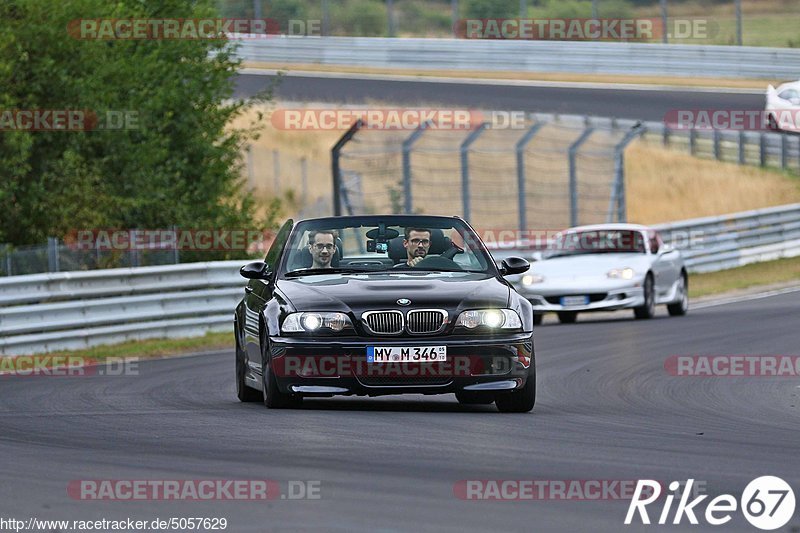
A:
611,102
606,410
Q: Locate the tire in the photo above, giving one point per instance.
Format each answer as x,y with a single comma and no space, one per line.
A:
273,398
648,310
243,391
522,400
474,398
537,319
567,317
680,307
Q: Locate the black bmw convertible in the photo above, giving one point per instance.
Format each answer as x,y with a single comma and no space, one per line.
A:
383,304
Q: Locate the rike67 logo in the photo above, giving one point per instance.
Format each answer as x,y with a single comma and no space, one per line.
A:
767,503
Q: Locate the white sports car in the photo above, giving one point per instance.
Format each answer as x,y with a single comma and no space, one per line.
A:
783,106
604,268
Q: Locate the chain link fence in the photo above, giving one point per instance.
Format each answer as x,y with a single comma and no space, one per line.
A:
727,22
550,173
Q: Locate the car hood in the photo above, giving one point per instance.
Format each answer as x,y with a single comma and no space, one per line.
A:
358,293
586,265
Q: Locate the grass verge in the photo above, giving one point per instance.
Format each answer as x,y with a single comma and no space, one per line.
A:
674,81
770,272
152,347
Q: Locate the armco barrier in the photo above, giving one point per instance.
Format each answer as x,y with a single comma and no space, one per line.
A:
527,56
69,310
73,310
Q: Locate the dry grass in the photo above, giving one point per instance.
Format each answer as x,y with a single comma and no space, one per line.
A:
662,185
665,185
731,83
779,271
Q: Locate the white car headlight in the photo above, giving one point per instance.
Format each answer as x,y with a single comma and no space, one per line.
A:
621,273
531,279
490,318
310,322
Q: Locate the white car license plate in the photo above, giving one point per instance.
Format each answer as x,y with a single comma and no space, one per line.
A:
574,300
406,354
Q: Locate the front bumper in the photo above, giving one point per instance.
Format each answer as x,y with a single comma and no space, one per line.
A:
327,367
609,297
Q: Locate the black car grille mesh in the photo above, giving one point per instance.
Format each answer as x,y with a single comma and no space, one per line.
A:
426,321
404,381
384,322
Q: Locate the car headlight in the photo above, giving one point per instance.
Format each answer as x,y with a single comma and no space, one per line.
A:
313,322
531,279
621,273
489,318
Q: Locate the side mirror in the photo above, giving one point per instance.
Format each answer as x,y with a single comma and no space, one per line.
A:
255,270
514,265
667,248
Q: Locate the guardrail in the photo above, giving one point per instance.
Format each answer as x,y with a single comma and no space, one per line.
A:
527,56
718,243
72,310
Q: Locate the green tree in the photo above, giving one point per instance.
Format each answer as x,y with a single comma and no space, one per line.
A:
180,164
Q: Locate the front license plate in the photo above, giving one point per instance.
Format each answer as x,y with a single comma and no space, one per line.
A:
574,300
406,354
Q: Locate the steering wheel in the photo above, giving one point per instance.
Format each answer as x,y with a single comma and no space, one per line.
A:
452,252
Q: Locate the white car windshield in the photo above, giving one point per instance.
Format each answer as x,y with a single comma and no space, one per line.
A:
596,242
375,244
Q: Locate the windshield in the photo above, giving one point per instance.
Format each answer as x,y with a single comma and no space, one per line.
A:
382,244
596,242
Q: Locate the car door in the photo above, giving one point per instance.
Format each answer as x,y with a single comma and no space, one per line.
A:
666,266
258,292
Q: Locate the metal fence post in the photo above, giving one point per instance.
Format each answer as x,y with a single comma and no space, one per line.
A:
664,21
7,250
521,192
665,135
390,17
326,19
408,143
618,188
573,176
176,252
784,150
717,150
738,4
464,149
692,141
52,254
336,153
742,158
762,148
